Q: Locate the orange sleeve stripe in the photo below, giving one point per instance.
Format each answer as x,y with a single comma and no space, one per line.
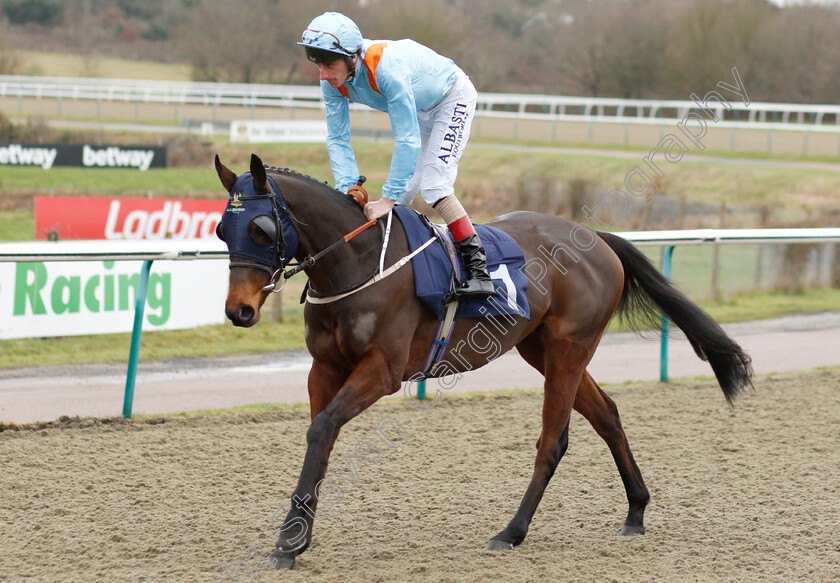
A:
372,56
371,61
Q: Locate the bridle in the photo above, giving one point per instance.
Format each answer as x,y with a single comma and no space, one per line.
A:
272,227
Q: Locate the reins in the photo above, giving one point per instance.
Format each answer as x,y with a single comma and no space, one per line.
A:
359,194
312,259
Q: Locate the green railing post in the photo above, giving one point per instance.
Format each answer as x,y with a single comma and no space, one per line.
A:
421,389
663,346
134,354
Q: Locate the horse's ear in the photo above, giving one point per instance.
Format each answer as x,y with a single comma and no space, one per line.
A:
258,174
225,175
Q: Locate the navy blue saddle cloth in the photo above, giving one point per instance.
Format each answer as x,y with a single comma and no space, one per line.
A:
433,269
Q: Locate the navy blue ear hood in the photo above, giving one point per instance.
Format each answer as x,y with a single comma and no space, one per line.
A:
270,213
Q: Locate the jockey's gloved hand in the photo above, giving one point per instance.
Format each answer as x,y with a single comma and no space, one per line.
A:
378,208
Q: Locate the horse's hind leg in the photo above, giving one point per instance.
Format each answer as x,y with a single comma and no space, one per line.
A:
601,412
562,367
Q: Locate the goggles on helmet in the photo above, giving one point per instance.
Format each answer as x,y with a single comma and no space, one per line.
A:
323,40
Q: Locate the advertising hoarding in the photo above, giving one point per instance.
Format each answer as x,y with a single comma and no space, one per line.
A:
278,132
48,156
68,298
64,298
85,217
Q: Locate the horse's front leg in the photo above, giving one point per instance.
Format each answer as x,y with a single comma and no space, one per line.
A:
372,379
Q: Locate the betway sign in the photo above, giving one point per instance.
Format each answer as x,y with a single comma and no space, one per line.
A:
47,156
114,157
77,217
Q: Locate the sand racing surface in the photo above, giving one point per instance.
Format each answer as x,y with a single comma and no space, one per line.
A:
748,494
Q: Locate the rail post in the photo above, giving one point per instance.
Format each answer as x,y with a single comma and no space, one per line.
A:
667,253
134,353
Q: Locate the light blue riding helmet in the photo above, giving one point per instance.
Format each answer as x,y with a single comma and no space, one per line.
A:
331,32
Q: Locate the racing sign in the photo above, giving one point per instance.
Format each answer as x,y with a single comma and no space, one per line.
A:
63,298
68,298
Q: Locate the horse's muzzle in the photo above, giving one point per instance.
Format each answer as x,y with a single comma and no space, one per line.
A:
242,315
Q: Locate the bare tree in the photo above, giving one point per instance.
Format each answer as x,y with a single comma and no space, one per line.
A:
581,47
247,41
80,30
800,56
623,48
636,52
10,61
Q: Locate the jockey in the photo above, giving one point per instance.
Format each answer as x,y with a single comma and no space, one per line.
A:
430,102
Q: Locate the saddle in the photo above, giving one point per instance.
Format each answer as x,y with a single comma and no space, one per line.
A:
438,269
438,266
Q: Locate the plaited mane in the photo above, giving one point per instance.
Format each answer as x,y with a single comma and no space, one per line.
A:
288,172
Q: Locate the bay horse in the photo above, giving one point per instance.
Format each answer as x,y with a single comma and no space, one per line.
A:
365,345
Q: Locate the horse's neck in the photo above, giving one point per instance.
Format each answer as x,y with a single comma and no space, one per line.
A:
322,218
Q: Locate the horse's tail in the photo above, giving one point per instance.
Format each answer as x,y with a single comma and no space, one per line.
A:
647,293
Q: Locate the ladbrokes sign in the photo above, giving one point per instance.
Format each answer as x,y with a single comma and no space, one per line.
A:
77,217
55,298
51,155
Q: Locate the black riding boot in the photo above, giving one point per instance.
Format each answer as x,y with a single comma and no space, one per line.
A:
478,282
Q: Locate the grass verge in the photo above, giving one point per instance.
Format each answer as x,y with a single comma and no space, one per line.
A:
16,226
484,176
205,341
54,64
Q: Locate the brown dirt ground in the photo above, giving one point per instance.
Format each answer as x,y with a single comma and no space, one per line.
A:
748,494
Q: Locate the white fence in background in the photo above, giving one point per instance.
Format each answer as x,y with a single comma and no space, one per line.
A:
756,115
732,236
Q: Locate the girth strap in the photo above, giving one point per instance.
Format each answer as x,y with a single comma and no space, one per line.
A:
441,341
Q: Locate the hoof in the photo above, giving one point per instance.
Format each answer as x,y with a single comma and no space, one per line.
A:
628,530
282,560
497,545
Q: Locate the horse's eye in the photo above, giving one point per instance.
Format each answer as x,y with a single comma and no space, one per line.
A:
263,230
220,231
